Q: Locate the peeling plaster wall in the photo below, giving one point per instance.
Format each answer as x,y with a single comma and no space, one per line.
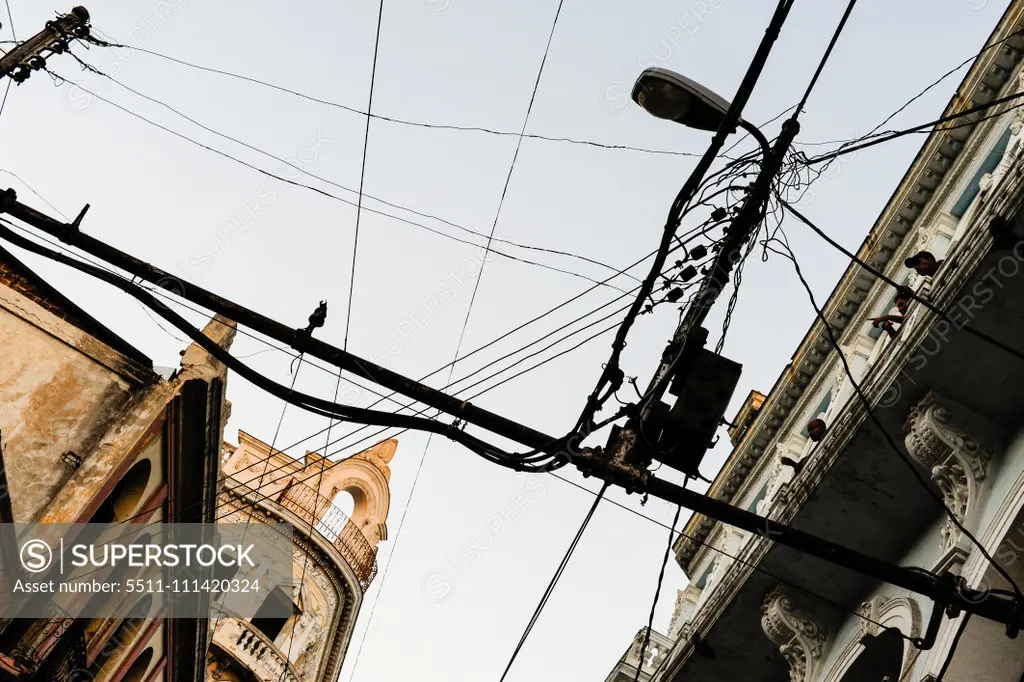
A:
54,399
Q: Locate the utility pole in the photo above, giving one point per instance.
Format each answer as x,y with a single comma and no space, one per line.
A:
31,54
948,591
656,432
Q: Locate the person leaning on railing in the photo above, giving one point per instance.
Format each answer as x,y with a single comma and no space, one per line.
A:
886,322
923,263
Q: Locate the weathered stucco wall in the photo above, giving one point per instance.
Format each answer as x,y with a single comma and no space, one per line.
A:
59,392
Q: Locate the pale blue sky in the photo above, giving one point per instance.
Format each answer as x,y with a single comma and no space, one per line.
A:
470,63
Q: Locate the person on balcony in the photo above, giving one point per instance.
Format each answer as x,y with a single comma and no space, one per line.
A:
886,322
816,429
923,263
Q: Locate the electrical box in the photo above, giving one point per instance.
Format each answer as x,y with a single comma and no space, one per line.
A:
680,435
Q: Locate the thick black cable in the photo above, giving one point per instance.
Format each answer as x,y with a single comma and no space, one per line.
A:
362,177
952,647
327,454
307,402
729,121
834,342
252,508
423,410
554,580
887,137
913,294
657,593
824,58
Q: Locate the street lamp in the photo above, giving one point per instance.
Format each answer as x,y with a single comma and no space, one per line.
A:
668,95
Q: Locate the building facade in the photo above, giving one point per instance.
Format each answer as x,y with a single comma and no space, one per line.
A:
92,432
929,413
334,558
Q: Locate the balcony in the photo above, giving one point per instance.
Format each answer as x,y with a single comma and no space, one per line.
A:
334,526
253,650
327,521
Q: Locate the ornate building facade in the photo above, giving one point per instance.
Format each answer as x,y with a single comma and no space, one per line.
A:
334,558
931,413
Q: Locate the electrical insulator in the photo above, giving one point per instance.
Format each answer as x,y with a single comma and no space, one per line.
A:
698,252
718,214
674,295
688,273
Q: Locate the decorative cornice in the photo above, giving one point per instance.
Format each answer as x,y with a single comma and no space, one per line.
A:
957,461
801,640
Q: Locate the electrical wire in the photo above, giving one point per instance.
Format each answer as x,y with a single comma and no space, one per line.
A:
273,450
476,284
834,342
307,402
425,409
362,178
952,647
273,443
887,137
913,294
324,193
307,172
824,58
163,294
508,179
391,119
657,592
312,524
35,193
923,92
7,88
554,581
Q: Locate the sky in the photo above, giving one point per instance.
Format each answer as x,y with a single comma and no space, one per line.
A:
471,545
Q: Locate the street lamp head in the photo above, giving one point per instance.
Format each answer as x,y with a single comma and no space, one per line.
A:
668,95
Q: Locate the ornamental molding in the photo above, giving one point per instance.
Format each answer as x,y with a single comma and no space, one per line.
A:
802,641
874,617
947,440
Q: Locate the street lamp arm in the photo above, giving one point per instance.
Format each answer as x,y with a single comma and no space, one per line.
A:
756,133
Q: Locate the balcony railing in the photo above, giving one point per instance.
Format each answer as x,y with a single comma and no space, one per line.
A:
254,650
335,527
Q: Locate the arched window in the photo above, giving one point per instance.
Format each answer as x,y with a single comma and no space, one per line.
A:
137,671
127,494
125,498
882,658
